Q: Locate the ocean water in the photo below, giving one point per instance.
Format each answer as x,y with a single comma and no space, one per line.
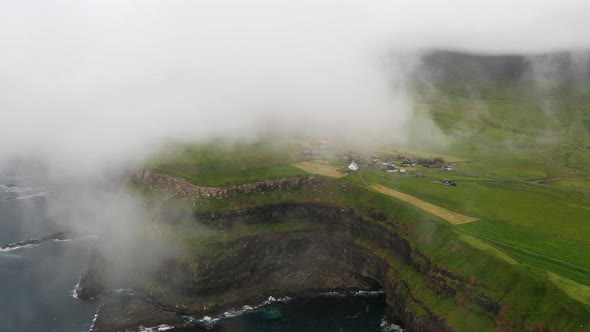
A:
344,312
37,282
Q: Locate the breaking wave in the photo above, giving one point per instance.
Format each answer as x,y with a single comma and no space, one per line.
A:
389,327
10,192
208,321
158,328
94,320
57,237
76,289
353,293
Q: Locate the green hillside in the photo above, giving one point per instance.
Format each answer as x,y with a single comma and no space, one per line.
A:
520,150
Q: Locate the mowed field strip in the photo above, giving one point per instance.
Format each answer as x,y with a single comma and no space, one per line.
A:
448,215
320,169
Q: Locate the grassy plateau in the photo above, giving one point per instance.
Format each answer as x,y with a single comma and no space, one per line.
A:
520,157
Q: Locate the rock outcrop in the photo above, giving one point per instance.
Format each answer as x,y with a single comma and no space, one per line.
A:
181,188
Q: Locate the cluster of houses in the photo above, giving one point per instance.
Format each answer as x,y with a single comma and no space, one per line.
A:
390,168
389,163
356,161
401,163
393,168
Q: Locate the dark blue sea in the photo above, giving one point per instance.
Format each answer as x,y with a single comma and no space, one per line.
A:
37,282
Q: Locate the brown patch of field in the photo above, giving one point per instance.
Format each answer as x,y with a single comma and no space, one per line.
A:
320,169
448,215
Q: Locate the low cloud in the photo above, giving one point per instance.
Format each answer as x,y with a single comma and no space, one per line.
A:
88,85
92,87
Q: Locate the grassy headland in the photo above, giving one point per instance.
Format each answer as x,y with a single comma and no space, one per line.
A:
521,161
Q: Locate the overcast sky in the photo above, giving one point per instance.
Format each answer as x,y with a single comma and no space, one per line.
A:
100,81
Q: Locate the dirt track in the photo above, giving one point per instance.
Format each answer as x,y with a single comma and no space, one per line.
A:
448,215
320,169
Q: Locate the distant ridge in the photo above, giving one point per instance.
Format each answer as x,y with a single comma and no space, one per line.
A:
472,68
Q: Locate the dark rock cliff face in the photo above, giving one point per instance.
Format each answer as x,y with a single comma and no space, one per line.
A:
292,263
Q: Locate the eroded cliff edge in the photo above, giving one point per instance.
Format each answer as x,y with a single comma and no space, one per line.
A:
291,247
181,188
335,252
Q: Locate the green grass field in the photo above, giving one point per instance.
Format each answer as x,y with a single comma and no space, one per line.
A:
223,164
523,170
533,223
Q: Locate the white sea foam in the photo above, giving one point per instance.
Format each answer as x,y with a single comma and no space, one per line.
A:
14,192
368,293
208,321
236,313
32,245
272,299
94,321
389,327
162,327
20,195
39,194
18,247
159,328
76,288
354,293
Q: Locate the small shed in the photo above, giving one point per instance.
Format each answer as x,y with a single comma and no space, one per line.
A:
353,166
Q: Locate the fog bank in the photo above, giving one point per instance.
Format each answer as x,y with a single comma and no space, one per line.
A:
91,88
89,85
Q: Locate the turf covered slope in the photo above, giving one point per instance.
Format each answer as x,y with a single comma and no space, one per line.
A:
517,131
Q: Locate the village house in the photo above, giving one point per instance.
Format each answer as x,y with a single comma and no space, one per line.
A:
449,182
408,162
353,166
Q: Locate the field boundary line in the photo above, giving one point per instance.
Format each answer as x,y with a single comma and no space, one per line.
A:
320,169
448,215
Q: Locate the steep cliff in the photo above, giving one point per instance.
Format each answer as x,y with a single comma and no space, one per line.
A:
353,239
338,252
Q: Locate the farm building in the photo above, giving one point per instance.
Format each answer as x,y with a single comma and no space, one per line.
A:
353,166
449,182
391,169
381,166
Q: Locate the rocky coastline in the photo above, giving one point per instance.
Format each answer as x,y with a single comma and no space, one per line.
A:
327,258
